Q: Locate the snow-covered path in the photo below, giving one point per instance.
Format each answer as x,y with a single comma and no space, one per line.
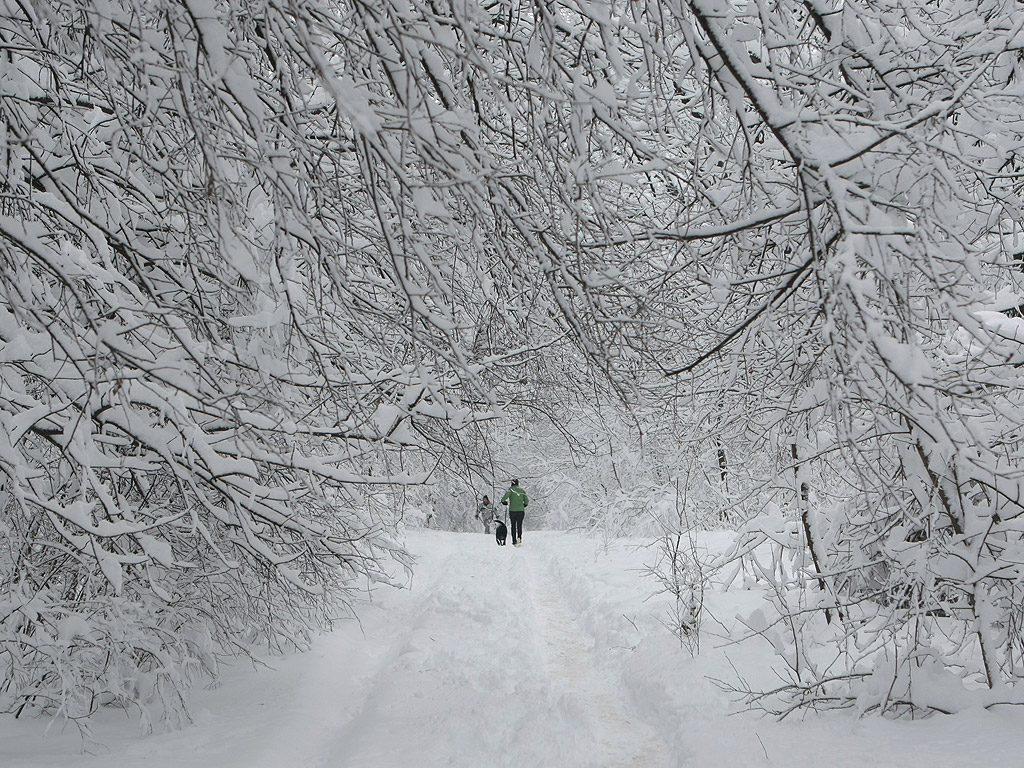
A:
481,662
491,668
548,656
581,683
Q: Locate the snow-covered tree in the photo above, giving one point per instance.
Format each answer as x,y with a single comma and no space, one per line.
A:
862,244
240,282
263,266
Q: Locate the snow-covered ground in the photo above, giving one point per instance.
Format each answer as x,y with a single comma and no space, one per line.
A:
549,655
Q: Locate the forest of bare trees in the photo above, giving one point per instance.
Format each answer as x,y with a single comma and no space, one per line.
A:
271,269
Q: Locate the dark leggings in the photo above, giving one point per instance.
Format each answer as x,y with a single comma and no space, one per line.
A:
515,520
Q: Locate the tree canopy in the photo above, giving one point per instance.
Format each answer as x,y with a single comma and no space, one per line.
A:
265,265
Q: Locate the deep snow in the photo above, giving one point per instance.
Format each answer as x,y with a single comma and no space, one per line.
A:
547,655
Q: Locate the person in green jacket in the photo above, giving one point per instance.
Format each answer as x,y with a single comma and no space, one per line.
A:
517,501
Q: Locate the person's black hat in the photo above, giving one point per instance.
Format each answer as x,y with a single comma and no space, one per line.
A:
515,481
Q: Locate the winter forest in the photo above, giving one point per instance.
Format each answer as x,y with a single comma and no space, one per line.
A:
281,279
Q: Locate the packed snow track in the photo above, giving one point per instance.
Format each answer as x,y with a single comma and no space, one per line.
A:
491,668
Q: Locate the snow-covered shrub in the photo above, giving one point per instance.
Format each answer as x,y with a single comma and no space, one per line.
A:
681,570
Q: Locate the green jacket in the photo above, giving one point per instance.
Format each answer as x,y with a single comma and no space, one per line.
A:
516,499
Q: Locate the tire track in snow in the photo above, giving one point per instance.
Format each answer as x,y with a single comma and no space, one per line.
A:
624,741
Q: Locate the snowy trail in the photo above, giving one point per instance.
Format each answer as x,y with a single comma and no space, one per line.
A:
481,662
493,670
621,738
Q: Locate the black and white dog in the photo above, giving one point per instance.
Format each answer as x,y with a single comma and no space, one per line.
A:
500,532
